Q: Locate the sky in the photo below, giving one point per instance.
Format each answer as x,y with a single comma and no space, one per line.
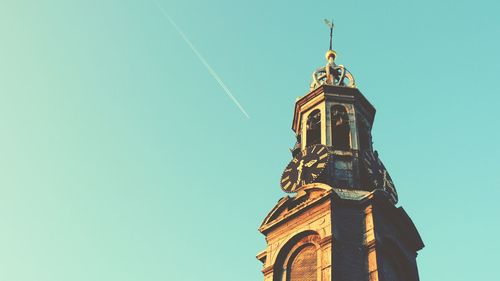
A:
122,158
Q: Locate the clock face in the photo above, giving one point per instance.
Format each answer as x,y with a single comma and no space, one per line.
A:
305,167
379,177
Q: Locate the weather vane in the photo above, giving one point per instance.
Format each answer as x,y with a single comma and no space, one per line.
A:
331,26
331,73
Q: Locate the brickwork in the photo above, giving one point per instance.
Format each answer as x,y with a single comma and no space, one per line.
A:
344,212
356,239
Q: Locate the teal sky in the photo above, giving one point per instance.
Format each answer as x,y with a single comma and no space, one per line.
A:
121,158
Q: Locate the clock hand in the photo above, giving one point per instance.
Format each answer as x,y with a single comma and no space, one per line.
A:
299,168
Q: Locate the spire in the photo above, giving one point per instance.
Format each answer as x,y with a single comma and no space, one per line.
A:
331,73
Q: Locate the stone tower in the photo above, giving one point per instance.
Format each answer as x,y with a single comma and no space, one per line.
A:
340,221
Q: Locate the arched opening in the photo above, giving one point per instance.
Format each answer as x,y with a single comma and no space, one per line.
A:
341,131
298,259
313,128
303,264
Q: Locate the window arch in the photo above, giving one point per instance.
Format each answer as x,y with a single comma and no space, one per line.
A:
313,128
341,131
302,265
298,259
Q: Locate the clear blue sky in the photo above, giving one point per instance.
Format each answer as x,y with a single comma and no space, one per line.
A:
122,159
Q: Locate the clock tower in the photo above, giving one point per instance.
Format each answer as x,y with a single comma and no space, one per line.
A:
340,221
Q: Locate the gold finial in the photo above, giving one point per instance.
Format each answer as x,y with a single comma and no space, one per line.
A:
330,54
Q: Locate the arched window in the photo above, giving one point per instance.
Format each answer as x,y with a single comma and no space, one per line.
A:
303,264
298,259
313,128
341,131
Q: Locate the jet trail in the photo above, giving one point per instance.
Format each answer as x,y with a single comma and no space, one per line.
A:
202,59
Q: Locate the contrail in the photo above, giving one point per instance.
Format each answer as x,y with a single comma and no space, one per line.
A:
202,59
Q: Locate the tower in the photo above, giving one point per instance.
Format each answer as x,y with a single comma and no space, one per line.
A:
340,221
